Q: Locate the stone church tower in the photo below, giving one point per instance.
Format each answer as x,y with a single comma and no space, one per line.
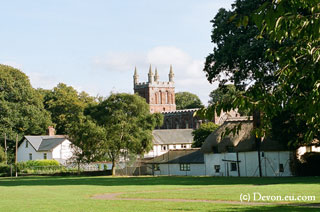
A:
159,95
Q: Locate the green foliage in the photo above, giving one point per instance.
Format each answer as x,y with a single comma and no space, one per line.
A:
4,169
35,163
279,73
186,100
200,135
295,26
66,106
21,107
127,122
2,155
88,141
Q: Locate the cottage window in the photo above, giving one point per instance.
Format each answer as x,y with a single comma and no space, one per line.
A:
27,144
233,167
45,156
281,168
174,146
30,156
183,146
184,167
156,167
217,168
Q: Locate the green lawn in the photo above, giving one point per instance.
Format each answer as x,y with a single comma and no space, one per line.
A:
75,193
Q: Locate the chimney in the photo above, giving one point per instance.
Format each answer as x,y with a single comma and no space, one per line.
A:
51,131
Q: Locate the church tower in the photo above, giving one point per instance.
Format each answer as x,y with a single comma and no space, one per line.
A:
159,95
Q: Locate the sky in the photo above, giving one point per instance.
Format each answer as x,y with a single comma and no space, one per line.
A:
94,45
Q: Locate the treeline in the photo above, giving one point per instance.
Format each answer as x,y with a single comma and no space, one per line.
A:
99,128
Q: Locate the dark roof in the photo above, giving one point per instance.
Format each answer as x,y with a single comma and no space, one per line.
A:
50,143
180,156
243,141
172,136
45,142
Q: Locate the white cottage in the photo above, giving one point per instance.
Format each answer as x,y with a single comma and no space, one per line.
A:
170,139
236,155
184,162
51,146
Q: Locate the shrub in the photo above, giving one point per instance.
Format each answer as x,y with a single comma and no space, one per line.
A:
4,169
308,165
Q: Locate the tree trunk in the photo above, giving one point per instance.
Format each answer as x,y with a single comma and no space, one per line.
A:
113,169
78,167
256,124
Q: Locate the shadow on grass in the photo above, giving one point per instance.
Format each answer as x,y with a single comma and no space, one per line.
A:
163,180
272,208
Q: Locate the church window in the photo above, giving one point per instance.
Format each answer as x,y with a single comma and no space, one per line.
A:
166,97
160,98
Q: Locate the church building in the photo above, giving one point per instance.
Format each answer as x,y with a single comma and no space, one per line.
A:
161,98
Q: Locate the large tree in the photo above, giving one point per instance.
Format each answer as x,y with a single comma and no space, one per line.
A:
279,72
66,106
295,26
127,123
21,107
186,100
88,141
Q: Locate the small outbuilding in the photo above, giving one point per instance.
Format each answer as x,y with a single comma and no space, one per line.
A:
237,155
184,162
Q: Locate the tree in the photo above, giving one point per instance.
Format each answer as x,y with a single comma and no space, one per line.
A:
186,100
200,135
2,155
128,125
286,80
294,25
21,108
66,106
88,141
224,95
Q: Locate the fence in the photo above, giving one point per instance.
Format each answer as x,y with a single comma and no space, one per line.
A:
70,169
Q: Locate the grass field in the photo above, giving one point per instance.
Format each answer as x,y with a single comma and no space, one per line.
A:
153,193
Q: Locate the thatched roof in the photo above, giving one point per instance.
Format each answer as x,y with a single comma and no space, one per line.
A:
242,141
173,136
180,156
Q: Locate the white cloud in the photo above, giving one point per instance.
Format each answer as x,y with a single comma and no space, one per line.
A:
119,61
12,64
39,80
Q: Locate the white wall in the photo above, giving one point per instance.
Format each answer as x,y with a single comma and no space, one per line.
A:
23,152
174,169
157,149
302,150
62,152
248,164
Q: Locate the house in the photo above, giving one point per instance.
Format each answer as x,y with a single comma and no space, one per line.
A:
184,162
50,146
236,155
171,139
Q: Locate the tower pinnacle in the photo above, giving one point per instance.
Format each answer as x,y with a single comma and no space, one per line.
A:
171,74
156,76
150,75
135,76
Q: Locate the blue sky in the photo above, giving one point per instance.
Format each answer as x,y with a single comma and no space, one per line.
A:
95,45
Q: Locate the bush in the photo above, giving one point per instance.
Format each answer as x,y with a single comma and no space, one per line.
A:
308,165
35,163
4,169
